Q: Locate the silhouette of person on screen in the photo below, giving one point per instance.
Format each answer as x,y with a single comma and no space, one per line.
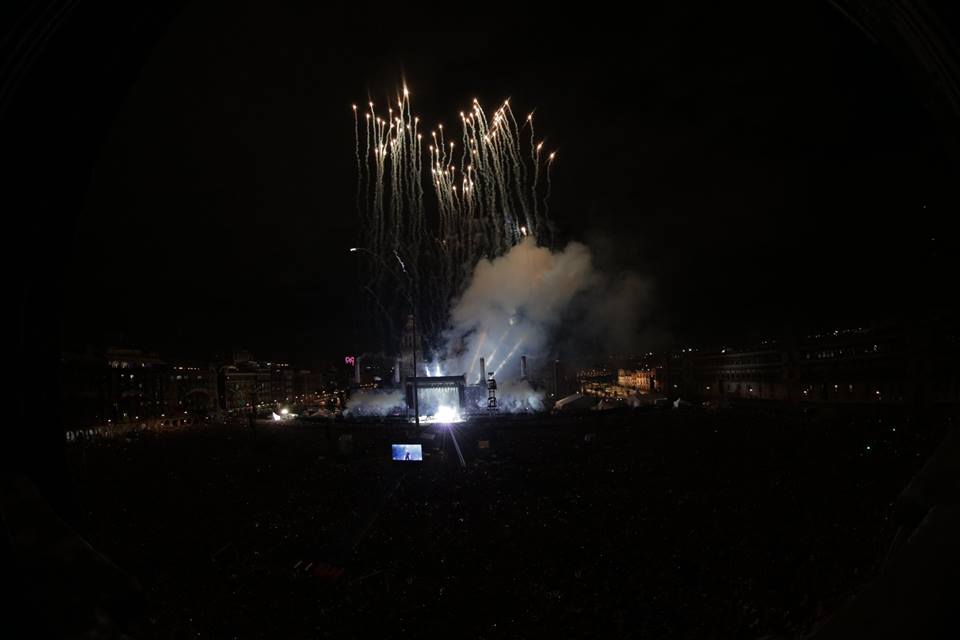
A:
406,456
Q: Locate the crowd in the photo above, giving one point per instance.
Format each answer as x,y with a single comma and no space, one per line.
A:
662,524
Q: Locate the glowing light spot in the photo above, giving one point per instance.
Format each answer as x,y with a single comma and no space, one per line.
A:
447,414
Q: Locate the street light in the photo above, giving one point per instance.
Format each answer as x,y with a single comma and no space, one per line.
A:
413,315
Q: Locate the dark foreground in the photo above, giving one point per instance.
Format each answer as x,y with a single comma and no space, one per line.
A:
662,524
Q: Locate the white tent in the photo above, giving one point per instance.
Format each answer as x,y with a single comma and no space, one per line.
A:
575,402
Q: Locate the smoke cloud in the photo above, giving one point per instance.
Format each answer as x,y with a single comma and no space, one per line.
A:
375,403
521,302
517,396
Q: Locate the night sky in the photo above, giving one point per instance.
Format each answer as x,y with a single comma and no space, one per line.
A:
763,170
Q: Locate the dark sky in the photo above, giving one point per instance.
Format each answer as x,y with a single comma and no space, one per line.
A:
762,169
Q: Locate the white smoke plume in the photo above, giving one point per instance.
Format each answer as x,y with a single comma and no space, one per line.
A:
512,307
517,396
375,403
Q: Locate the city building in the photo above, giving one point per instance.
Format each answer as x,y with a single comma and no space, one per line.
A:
282,379
242,385
638,380
118,386
191,388
307,382
892,364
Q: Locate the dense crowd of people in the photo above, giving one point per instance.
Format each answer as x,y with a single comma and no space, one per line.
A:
661,524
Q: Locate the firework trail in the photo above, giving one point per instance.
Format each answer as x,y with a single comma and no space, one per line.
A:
487,198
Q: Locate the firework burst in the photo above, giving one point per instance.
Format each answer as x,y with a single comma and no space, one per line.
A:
490,189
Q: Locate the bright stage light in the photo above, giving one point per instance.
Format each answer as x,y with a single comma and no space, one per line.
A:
445,414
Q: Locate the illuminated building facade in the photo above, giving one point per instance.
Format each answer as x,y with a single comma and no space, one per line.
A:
638,380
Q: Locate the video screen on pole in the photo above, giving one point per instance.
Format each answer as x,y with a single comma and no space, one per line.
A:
407,452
